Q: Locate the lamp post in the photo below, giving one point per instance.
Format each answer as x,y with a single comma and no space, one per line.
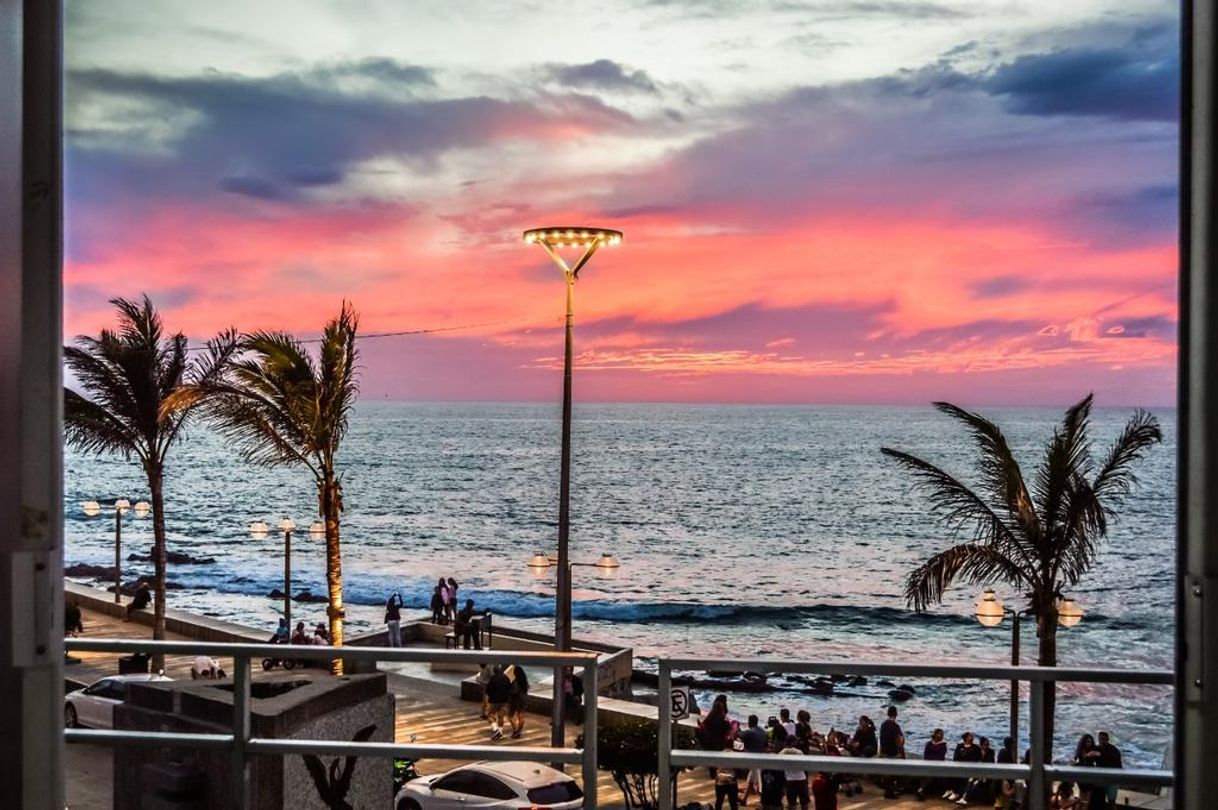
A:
259,530
990,613
539,564
552,240
93,508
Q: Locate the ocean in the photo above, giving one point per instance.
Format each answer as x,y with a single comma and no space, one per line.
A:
742,531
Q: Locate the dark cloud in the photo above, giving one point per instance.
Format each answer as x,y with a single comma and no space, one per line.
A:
904,9
1162,327
997,287
257,187
1135,81
271,137
603,74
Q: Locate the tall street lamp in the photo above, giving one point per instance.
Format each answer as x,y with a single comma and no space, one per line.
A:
539,565
259,530
552,240
990,613
93,508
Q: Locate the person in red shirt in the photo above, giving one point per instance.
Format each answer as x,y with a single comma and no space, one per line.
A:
824,792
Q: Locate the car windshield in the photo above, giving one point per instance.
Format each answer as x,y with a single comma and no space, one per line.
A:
557,793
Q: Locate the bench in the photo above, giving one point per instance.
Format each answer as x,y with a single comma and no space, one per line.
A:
486,635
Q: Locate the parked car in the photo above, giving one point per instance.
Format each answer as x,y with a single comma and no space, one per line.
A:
493,786
93,706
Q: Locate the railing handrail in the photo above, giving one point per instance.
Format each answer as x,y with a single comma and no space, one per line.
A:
1037,772
241,743
229,649
948,671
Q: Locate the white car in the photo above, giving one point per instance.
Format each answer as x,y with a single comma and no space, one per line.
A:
93,706
498,785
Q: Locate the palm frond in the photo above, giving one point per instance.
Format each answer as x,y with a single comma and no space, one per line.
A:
974,563
960,507
1067,455
1115,479
1001,478
94,429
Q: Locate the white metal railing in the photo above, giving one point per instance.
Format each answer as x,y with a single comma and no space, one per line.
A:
242,744
1037,773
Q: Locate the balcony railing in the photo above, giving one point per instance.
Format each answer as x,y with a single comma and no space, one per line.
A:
1037,773
242,744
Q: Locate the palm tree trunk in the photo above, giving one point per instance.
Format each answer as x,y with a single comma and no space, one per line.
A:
156,490
1046,631
331,509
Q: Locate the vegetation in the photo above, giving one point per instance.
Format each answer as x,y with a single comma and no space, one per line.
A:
283,407
629,752
127,405
1039,536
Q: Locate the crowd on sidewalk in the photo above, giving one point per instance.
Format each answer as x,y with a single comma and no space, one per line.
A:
795,788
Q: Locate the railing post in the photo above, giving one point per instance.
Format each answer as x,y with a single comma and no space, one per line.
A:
1037,791
591,710
664,738
241,732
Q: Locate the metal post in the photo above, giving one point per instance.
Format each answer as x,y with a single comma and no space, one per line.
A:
664,797
241,732
118,555
31,404
1196,746
1037,789
591,709
562,608
287,580
1015,617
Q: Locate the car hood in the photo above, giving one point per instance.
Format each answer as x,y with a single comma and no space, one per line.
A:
422,785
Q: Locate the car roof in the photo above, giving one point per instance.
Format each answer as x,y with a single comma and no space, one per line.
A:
138,676
528,774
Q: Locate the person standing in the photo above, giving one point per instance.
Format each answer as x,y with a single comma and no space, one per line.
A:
465,628
1110,757
393,619
824,792
518,699
864,743
797,780
437,606
452,596
446,601
726,786
892,746
754,742
784,717
773,789
498,693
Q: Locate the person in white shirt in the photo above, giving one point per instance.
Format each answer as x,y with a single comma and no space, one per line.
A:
797,781
205,666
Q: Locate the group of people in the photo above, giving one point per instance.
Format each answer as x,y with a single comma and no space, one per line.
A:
505,693
319,636
444,601
782,735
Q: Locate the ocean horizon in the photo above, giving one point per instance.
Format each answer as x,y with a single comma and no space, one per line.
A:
743,530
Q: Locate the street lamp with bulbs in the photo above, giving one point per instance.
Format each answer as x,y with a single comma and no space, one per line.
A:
588,241
539,565
990,613
120,507
259,530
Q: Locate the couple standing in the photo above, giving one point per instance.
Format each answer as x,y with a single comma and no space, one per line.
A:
444,601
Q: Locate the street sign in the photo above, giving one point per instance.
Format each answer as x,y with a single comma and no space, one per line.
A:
681,702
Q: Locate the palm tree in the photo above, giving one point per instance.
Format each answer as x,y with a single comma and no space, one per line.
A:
285,408
129,378
1040,540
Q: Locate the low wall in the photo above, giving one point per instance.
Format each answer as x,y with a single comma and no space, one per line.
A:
180,622
614,664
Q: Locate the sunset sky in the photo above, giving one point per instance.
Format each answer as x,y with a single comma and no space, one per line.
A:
886,201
